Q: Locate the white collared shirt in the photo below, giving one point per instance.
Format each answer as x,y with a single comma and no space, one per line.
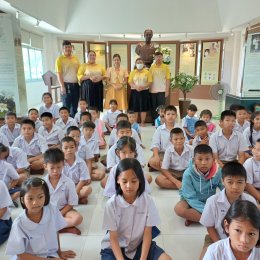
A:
172,160
64,193
18,158
241,128
53,109
129,220
38,239
35,147
92,143
216,209
10,135
255,136
52,137
7,172
197,140
77,172
84,152
253,172
110,117
227,149
4,140
38,124
71,122
5,201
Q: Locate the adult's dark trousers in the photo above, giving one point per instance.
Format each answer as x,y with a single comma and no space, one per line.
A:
71,98
156,100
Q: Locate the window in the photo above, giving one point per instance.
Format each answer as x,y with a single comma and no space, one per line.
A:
32,60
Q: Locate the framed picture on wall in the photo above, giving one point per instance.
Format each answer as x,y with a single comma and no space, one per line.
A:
78,48
100,49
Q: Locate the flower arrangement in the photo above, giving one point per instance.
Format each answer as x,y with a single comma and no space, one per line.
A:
6,103
184,83
166,51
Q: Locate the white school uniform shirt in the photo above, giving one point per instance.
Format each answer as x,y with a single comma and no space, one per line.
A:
38,239
110,117
10,135
64,193
5,201
52,137
77,116
161,137
241,128
197,139
255,136
113,137
92,143
253,172
129,220
227,149
71,122
38,124
84,152
36,146
53,109
110,188
7,172
4,140
172,160
216,209
221,250
77,172
113,159
18,158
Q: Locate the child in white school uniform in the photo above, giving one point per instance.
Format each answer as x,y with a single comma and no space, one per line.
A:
126,148
34,231
252,166
5,214
242,225
202,135
188,122
227,144
130,211
241,122
234,180
62,189
33,114
49,106
51,132
4,140
175,161
83,106
109,117
33,144
206,116
10,129
84,117
160,119
76,169
65,121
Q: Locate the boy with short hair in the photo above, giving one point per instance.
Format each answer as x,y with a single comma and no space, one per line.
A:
51,132
241,122
227,144
200,181
132,117
33,144
75,168
62,189
65,120
83,106
33,114
84,117
175,161
202,136
234,180
188,122
10,129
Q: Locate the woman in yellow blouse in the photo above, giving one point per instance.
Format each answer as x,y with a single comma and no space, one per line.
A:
116,79
140,80
90,76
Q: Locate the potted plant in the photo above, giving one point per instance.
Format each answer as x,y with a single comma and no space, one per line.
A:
185,83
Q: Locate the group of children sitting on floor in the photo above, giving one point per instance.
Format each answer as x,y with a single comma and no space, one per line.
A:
194,157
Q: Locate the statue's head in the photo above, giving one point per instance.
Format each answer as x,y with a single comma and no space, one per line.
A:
148,34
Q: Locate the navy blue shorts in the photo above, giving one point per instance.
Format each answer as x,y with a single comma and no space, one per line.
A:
5,228
154,253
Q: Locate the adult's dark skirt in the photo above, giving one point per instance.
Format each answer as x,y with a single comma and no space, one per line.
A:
93,93
139,101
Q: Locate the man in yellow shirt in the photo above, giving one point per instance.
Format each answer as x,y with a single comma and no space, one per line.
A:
67,67
160,87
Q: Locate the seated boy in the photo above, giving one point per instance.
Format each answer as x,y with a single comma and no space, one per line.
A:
132,117
188,122
199,182
52,133
33,144
227,144
84,117
62,189
83,105
10,129
65,121
175,161
252,166
161,137
234,180
202,136
33,114
241,122
75,168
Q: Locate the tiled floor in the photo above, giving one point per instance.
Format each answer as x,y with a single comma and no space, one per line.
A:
182,243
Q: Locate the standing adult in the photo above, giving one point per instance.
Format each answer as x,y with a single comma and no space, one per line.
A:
67,66
140,80
160,87
116,79
91,77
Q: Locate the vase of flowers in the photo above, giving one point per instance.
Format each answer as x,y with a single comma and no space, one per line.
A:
166,51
